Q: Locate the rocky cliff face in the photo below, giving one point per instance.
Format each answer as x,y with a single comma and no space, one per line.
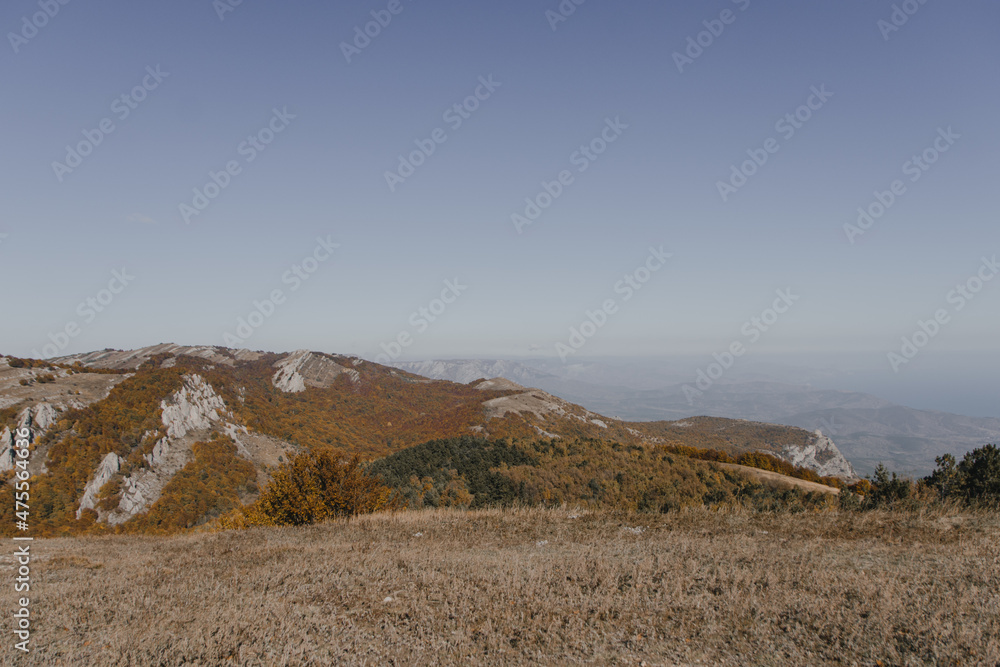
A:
36,419
822,456
108,468
194,408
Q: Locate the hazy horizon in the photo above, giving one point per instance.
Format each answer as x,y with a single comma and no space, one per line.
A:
508,181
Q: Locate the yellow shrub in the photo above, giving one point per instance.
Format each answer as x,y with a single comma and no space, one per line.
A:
311,488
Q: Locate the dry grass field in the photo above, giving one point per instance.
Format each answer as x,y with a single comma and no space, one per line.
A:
531,586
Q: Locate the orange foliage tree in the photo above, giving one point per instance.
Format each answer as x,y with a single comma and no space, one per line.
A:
313,487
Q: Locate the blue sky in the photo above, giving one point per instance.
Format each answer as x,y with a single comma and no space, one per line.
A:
656,185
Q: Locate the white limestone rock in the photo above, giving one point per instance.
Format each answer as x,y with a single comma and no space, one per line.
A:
822,456
24,418
6,450
44,416
195,407
302,369
288,378
107,469
159,453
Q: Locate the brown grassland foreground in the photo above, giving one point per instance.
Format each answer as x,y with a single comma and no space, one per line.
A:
539,586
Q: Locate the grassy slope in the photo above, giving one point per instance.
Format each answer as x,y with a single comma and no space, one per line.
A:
529,586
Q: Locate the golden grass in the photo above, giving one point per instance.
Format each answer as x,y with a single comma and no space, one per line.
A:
777,480
529,586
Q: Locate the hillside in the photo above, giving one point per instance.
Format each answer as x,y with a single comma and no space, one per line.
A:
598,474
136,439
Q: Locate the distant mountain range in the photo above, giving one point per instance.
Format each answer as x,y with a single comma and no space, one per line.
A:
866,428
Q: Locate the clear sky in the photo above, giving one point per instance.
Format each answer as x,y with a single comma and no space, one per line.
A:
309,129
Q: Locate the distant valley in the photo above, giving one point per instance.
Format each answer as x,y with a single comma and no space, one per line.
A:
866,428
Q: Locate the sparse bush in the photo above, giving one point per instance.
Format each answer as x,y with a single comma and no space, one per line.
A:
849,500
887,490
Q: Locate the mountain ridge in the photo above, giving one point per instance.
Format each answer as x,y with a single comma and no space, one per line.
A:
113,454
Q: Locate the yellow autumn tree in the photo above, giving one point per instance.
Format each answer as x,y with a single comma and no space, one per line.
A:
311,488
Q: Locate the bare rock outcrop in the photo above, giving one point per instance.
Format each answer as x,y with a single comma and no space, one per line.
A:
822,456
191,411
303,368
537,402
194,408
108,468
499,384
6,450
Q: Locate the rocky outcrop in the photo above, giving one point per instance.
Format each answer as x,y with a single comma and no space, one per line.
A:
499,384
43,416
822,456
194,408
537,402
303,368
6,450
288,378
108,468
